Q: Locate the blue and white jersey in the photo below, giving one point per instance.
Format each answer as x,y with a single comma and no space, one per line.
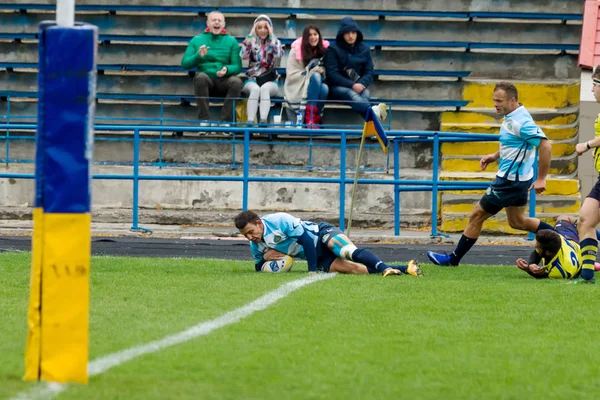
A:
281,233
519,138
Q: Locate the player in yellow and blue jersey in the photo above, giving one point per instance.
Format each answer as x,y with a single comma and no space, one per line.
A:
589,217
322,245
557,253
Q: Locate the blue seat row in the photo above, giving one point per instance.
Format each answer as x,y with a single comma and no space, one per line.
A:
281,71
190,99
372,43
314,11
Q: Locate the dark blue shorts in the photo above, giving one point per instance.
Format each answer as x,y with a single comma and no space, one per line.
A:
595,192
325,257
503,193
566,230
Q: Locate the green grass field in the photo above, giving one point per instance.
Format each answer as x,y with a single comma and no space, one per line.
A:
473,332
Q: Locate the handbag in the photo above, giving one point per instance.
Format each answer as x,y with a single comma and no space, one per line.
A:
352,74
267,76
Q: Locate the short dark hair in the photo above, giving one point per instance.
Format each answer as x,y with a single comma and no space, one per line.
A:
549,241
509,89
244,218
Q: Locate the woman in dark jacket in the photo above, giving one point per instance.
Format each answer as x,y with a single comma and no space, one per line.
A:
349,69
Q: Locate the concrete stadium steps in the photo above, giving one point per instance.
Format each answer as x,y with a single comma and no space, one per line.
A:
457,204
122,112
557,125
498,224
562,196
189,25
430,89
549,95
533,6
477,149
555,185
566,165
481,65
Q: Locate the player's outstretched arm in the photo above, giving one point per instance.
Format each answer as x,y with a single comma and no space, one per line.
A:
310,251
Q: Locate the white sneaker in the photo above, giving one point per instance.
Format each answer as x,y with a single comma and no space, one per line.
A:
224,125
380,111
204,125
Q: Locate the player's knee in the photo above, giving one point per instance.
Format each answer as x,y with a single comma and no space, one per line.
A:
586,221
347,251
517,223
478,215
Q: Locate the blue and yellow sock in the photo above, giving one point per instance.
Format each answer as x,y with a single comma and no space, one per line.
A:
589,251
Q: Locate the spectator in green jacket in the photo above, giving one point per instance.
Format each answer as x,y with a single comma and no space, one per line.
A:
216,56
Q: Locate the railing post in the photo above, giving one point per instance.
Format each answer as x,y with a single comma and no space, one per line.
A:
343,182
246,169
136,173
160,140
7,129
434,186
396,187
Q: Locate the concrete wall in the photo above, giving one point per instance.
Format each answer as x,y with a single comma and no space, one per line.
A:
187,26
376,200
555,6
183,85
481,65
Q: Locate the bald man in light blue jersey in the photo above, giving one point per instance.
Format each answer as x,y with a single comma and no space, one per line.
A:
324,247
520,137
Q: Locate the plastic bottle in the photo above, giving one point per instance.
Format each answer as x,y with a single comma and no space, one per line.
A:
299,119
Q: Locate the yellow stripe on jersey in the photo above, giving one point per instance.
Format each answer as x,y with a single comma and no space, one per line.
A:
567,262
597,149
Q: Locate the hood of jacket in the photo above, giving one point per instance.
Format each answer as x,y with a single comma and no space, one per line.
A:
348,25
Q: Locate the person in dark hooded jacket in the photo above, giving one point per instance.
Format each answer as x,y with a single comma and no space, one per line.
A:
349,69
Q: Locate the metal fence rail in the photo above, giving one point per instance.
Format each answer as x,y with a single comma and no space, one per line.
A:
433,185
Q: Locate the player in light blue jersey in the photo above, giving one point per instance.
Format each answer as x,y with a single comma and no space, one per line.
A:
519,139
323,246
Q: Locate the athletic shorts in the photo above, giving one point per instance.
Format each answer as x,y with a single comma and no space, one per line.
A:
326,257
595,192
567,230
503,193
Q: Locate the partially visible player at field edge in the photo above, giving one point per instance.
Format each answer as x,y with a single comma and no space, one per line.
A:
322,245
519,138
589,214
556,253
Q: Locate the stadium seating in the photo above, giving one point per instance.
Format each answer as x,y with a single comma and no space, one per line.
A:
436,62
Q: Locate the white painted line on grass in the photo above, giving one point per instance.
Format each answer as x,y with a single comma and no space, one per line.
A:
45,391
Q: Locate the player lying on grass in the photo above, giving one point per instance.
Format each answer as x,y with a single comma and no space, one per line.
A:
322,245
557,254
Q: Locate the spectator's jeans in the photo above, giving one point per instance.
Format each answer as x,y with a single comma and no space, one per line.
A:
228,87
317,92
263,93
359,102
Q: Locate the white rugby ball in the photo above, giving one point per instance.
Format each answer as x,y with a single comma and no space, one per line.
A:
283,265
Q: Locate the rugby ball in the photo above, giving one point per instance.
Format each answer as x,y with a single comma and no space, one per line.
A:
283,265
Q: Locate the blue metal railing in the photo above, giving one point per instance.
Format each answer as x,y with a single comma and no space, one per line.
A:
400,185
